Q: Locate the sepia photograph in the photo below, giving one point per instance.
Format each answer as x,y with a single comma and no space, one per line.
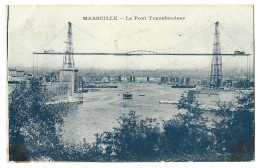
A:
130,83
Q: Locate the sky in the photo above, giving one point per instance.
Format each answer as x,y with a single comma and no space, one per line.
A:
31,27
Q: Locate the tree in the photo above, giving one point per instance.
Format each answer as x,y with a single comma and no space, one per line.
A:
187,134
33,123
235,131
133,140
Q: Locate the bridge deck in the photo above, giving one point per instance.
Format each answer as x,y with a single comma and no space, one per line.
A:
140,54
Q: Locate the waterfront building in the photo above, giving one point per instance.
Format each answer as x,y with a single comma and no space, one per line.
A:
132,79
105,79
172,79
15,77
58,90
164,79
204,83
187,81
177,80
12,72
228,83
182,80
70,77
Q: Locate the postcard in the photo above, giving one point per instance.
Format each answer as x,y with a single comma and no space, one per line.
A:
137,83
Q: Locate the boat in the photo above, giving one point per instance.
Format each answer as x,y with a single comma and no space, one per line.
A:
84,90
101,86
167,102
127,95
94,90
141,95
77,98
183,86
209,108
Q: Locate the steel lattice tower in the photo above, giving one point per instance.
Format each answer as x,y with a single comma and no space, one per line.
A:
216,62
68,73
68,59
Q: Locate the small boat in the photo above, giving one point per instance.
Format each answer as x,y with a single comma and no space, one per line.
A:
127,95
183,86
167,102
84,90
141,95
209,108
101,86
77,98
94,90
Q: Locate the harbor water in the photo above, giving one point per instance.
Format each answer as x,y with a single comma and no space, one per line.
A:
101,109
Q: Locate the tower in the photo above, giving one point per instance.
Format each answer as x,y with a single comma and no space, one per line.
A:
68,59
68,73
216,62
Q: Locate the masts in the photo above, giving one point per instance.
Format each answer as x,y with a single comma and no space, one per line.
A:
216,62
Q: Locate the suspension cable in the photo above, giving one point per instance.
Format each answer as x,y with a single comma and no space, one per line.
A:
50,40
191,36
225,31
84,31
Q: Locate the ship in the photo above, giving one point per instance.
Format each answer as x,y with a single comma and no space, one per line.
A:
101,86
127,95
76,98
183,86
209,108
167,102
84,90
